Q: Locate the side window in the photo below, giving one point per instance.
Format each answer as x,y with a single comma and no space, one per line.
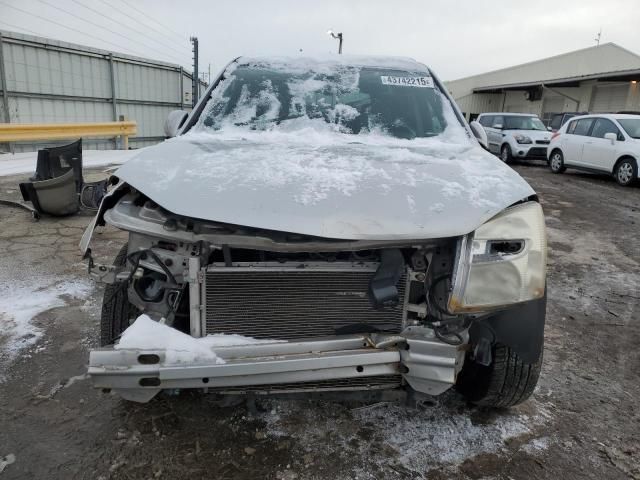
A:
486,120
498,120
604,126
572,126
583,126
556,122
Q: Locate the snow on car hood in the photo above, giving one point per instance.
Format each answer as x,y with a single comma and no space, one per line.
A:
332,187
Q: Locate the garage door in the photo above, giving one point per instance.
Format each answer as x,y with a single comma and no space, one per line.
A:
609,98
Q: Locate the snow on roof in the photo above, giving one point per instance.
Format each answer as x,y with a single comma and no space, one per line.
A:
315,63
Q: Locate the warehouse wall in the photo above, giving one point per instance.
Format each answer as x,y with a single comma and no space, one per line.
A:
48,81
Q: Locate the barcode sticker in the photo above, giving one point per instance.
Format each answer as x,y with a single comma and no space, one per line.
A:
421,82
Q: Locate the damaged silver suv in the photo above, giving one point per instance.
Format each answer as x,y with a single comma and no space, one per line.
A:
322,225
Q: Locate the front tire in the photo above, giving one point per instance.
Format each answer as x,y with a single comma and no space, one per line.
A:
117,311
505,154
556,162
508,381
626,171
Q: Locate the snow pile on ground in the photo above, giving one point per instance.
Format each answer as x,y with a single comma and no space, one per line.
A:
418,439
26,162
21,300
147,334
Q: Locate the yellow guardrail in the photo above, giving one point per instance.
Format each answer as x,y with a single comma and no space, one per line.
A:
20,132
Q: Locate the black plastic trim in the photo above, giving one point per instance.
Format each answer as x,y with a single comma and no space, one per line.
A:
521,328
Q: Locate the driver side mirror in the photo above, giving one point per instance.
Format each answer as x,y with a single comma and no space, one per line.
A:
174,122
611,136
480,134
497,126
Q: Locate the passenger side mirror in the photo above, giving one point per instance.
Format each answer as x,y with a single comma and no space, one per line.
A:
611,136
550,128
497,126
174,122
480,134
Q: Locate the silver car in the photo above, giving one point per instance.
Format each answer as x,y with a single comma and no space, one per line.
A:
322,225
515,135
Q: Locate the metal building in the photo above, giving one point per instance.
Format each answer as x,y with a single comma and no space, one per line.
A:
597,79
49,81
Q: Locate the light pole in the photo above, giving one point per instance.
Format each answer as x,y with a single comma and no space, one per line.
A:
339,37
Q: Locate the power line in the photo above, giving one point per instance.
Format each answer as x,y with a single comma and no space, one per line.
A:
104,28
69,28
20,28
129,27
146,15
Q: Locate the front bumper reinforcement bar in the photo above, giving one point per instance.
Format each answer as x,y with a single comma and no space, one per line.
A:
427,364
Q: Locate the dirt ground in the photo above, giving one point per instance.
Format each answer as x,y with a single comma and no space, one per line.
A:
583,421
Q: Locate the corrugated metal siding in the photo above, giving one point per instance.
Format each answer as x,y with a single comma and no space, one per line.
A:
146,83
56,82
150,118
610,98
37,70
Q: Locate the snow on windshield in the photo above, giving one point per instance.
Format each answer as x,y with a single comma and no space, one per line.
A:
330,98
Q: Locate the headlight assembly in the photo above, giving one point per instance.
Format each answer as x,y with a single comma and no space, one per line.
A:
503,262
523,139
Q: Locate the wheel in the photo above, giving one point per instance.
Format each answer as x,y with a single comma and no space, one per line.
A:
626,171
117,312
505,154
556,162
506,382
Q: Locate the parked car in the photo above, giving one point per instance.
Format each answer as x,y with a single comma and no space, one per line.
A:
558,119
322,225
598,143
515,135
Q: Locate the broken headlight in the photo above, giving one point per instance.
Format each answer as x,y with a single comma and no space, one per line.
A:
503,262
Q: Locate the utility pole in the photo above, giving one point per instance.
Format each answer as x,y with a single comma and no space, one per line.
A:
338,36
195,93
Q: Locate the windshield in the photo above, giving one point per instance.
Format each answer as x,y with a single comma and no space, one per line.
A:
352,100
523,123
631,126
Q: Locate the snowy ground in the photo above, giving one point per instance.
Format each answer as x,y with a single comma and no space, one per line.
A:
582,422
13,164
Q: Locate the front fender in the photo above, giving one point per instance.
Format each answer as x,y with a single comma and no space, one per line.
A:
109,200
521,328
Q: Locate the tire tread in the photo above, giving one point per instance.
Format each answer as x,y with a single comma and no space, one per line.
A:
508,381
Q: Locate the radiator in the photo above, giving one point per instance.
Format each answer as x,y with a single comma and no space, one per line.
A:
293,301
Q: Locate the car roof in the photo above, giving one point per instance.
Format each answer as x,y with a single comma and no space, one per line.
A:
310,63
611,116
509,114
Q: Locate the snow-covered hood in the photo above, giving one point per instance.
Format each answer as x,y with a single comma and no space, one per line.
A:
532,134
342,190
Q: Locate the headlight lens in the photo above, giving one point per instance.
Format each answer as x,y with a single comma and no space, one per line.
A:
523,139
503,262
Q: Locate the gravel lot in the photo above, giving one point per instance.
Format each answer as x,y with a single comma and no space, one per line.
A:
582,423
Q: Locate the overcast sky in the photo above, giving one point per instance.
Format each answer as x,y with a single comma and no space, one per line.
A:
456,38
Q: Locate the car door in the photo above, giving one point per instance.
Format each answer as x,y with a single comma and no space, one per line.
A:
495,138
486,121
600,153
573,144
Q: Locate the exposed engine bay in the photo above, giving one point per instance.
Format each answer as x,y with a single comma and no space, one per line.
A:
204,278
384,287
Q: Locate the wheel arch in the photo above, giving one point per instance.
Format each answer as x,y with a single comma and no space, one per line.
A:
506,142
621,158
